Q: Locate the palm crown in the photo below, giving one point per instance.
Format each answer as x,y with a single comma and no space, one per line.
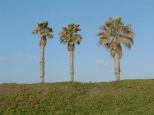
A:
44,31
69,34
114,33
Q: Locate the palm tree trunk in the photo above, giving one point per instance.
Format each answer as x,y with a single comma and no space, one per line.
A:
117,66
71,65
42,64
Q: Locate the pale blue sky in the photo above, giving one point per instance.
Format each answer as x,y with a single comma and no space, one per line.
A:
19,50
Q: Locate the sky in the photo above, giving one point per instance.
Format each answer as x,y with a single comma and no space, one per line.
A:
19,49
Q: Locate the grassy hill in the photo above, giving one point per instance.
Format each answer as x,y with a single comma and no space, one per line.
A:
128,97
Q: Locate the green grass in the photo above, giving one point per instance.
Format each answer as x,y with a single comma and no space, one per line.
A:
128,97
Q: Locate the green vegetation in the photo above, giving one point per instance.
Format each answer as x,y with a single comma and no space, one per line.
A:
128,97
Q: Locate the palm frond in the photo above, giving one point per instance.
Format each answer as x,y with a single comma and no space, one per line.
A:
114,33
43,30
70,34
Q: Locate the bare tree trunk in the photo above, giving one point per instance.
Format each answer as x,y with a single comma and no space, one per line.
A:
117,66
71,65
42,64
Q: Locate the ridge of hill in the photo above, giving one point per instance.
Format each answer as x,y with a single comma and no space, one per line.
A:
126,97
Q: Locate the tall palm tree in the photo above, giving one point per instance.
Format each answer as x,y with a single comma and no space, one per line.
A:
113,34
44,31
70,36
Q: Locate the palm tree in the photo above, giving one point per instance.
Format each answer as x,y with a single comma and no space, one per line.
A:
44,31
70,36
113,34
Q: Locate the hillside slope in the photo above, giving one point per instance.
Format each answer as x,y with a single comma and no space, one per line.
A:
128,97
